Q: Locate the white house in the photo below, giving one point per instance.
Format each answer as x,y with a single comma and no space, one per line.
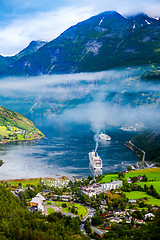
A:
149,215
38,201
112,185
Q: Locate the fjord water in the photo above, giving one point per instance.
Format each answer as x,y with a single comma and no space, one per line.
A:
71,110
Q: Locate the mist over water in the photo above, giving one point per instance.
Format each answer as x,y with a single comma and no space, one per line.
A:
72,110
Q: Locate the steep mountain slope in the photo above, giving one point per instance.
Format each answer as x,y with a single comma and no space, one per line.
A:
4,63
149,141
14,126
104,41
31,48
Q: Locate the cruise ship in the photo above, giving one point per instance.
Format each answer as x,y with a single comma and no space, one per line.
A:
104,136
95,161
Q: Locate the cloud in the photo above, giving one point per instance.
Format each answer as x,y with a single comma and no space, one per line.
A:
22,22
42,26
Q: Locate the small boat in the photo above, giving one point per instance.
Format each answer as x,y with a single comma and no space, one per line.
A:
104,136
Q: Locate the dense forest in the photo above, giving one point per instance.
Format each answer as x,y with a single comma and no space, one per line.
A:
149,141
17,223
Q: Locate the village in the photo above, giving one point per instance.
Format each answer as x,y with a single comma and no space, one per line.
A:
99,205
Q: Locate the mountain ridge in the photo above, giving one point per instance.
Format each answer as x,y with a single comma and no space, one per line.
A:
111,40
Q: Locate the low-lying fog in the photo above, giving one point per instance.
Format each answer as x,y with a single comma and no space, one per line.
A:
115,97
111,98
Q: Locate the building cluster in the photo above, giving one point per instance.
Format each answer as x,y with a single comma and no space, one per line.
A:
59,182
117,216
95,189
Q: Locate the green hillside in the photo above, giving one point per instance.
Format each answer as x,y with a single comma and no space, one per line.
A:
15,127
18,223
149,141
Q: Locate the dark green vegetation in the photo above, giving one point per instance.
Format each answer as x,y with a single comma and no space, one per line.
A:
149,141
110,41
1,162
148,231
14,126
16,222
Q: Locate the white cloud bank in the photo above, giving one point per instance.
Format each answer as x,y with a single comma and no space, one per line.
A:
43,26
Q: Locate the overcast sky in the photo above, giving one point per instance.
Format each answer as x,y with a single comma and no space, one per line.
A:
23,21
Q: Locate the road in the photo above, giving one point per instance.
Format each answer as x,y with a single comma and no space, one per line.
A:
144,154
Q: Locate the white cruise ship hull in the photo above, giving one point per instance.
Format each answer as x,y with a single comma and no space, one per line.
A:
95,161
104,137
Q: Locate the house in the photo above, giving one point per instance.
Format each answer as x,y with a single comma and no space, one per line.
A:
99,232
118,212
64,198
149,215
116,220
92,190
38,201
140,177
129,180
112,185
133,201
107,226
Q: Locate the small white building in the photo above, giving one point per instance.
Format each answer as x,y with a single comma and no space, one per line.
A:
38,201
112,185
149,215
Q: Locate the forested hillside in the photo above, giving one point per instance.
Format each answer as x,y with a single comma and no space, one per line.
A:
149,141
16,222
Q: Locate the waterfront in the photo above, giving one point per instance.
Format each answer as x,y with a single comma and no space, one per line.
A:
65,153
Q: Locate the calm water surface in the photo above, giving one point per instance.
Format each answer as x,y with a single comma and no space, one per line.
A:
70,110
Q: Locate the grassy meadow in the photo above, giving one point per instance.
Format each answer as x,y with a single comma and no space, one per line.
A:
138,195
82,210
23,182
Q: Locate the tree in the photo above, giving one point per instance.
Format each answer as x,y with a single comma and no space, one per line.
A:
97,220
121,175
87,226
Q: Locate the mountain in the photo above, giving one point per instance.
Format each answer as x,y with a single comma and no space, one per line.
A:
4,63
149,141
15,127
31,48
104,41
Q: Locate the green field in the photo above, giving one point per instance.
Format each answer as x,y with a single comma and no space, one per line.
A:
82,210
137,195
151,173
109,177
16,127
155,184
24,182
50,210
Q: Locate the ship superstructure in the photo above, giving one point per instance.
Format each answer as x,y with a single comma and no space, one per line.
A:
95,161
104,136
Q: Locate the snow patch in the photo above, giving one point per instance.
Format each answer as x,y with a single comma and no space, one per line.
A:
157,18
147,22
124,16
134,24
101,21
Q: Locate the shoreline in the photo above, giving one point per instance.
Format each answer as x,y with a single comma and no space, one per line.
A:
36,178
22,140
